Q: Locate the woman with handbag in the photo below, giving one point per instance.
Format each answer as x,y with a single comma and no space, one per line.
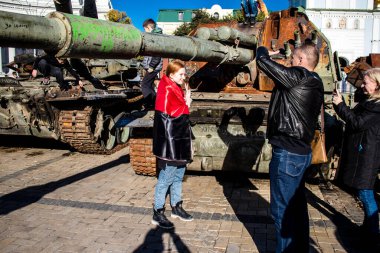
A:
360,158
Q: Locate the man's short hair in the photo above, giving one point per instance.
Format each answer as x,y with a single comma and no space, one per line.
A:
311,52
148,22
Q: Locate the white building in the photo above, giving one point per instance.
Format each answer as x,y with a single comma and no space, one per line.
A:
352,26
170,19
39,8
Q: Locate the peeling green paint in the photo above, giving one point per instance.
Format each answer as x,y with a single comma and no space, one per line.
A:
106,35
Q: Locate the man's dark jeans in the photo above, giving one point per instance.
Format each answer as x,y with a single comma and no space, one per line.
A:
288,201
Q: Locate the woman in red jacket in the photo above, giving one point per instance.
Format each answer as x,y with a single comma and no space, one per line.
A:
171,143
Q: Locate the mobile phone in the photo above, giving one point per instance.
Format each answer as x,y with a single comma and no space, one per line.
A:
337,86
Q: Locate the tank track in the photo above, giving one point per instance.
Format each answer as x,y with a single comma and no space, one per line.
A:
142,159
75,129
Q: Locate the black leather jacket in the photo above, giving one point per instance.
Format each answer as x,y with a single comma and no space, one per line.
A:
296,99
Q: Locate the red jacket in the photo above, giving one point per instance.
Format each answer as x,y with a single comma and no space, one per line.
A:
170,98
171,127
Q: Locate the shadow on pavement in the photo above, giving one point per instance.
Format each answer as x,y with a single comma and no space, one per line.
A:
14,141
250,208
162,240
346,231
24,197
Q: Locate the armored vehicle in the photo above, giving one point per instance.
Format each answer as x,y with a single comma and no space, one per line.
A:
85,118
230,95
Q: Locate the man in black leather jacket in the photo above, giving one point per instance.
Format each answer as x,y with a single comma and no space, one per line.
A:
292,118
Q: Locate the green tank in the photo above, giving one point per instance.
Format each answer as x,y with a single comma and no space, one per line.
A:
230,95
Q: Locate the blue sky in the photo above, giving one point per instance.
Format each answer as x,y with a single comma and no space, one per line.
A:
139,10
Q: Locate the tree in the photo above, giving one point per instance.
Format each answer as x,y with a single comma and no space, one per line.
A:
118,16
200,17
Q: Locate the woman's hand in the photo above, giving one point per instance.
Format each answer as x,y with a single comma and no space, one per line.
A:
188,99
34,73
337,97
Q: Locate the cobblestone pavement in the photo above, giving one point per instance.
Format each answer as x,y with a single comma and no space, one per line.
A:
53,200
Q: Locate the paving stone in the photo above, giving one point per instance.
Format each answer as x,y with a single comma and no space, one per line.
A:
95,203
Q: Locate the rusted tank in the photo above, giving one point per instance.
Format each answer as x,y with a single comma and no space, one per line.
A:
355,70
230,101
230,95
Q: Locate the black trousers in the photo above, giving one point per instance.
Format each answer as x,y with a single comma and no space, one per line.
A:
147,88
49,70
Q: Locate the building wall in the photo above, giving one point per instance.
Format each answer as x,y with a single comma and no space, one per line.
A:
334,4
168,19
39,8
352,26
43,7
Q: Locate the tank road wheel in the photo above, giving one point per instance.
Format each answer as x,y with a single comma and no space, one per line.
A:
108,135
87,131
142,159
122,135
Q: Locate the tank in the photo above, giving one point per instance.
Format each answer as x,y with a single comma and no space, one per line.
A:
230,95
83,118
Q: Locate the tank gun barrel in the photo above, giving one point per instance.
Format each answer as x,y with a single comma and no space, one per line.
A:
67,35
226,34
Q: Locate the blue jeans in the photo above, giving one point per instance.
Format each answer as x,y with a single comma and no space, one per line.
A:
250,8
288,201
371,216
169,178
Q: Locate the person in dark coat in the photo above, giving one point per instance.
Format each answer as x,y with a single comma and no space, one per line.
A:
294,107
171,143
360,158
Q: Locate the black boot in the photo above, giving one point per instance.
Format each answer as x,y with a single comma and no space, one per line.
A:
160,219
246,20
179,212
252,21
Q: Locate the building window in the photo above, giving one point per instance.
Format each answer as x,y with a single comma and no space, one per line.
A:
216,15
342,23
328,24
357,24
180,15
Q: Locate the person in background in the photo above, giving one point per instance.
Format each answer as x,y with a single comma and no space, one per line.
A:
292,119
171,143
153,66
250,10
49,65
360,158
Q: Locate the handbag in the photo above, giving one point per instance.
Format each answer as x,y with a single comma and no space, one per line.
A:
318,148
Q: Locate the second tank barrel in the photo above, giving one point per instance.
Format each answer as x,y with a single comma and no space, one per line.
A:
195,49
226,34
